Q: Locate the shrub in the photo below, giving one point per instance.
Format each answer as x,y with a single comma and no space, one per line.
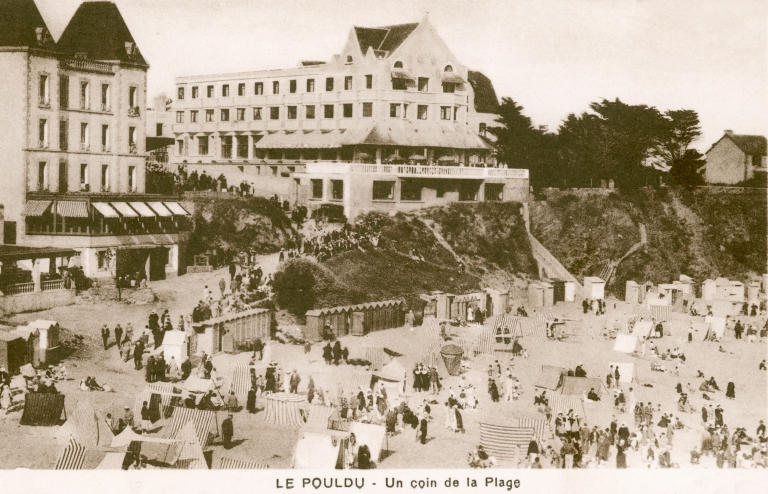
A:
294,286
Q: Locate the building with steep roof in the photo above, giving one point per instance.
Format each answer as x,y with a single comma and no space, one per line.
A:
394,121
73,143
735,158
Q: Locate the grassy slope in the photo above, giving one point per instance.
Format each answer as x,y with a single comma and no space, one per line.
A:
583,231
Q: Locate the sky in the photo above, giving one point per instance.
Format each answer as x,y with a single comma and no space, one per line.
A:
552,57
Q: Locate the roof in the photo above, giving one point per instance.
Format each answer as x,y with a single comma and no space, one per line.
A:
404,133
752,145
358,307
18,21
10,253
485,95
384,38
98,29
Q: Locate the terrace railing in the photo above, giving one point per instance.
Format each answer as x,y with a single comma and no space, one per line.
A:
19,288
417,170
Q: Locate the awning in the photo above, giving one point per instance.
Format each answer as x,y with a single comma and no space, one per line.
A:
402,74
313,140
125,210
142,209
452,78
176,208
160,209
105,209
36,208
403,133
72,209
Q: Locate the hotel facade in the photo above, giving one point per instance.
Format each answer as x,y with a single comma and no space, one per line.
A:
393,122
73,144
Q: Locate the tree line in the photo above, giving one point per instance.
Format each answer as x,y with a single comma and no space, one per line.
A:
634,145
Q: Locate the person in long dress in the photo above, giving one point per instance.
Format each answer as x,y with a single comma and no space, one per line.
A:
5,398
459,422
450,419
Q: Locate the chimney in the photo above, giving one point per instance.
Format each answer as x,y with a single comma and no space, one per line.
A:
728,132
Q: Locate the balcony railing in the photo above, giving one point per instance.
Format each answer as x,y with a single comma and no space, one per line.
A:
52,285
87,65
417,170
19,288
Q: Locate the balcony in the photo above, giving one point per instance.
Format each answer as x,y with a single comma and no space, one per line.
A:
134,111
87,66
468,172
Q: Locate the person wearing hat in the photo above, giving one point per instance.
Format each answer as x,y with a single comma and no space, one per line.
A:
105,336
227,431
128,417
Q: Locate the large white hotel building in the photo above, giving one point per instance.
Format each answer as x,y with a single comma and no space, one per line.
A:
394,121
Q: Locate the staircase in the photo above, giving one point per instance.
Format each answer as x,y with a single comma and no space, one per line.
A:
549,266
609,269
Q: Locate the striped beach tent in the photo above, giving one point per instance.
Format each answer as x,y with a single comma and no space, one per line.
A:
485,341
661,313
239,382
376,356
90,429
539,426
284,409
72,458
318,416
204,424
536,325
560,403
191,454
505,442
224,463
166,400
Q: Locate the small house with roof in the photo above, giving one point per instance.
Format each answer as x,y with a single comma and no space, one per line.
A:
735,158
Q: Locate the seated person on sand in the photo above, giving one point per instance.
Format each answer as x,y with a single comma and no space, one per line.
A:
592,395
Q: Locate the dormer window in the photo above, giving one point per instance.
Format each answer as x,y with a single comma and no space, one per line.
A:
448,68
349,58
130,47
398,64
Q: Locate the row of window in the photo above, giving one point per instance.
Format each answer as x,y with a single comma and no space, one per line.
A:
43,173
398,83
85,136
84,93
396,110
384,190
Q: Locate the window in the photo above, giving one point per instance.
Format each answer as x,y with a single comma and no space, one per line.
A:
226,146
383,190
449,87
445,113
240,114
310,85
483,129
202,145
83,176
275,87
329,83
328,111
195,91
467,192
257,113
131,178
292,86
349,58
42,133
42,176
63,135
241,89
423,84
209,91
398,64
274,112
84,139
448,68
455,112
63,176
317,188
44,94
292,113
225,90
337,190
422,112
85,102
105,138
101,260
133,97
347,110
105,178
242,146
63,92
181,93
410,191
394,110
494,192
132,139
367,109
258,88
405,110
192,116
224,117
369,81
348,83
399,84
179,117
310,112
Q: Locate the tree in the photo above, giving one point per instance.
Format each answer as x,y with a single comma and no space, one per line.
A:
685,169
294,287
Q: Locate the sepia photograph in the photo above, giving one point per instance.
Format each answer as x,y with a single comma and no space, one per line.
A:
383,235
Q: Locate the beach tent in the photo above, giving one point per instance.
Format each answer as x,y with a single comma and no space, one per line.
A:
451,355
376,356
550,377
371,435
505,442
89,429
224,463
393,377
626,343
174,345
284,409
113,460
562,403
626,371
204,423
191,454
43,409
318,451
642,329
714,326
579,386
318,417
128,435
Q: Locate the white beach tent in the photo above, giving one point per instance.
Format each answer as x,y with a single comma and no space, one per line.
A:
626,371
626,343
316,451
371,435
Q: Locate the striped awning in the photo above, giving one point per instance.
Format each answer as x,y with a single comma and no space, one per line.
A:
143,210
176,208
402,74
72,209
125,210
453,78
36,208
160,209
105,209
